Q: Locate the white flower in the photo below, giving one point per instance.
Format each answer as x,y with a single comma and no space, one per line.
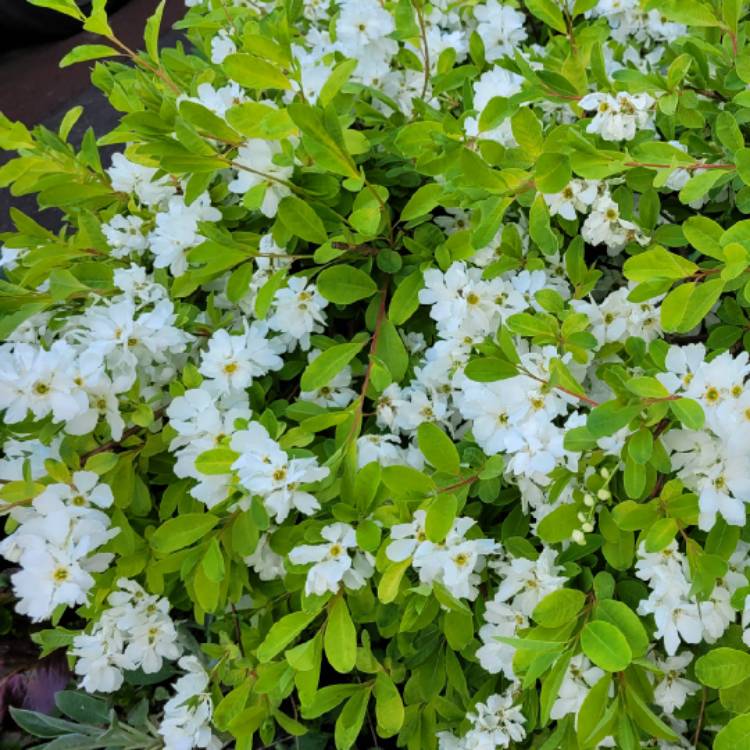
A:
298,310
672,690
222,46
177,231
495,724
526,582
37,380
264,561
128,177
334,563
619,117
500,620
232,362
258,170
125,236
579,678
187,714
455,563
577,195
501,28
266,470
334,394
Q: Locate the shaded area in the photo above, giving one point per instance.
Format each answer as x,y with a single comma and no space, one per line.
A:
36,91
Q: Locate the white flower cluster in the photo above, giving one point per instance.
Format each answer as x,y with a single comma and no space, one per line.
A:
580,677
712,462
678,615
629,22
454,563
495,724
604,224
523,584
334,563
176,223
99,355
618,117
264,469
187,714
134,632
55,545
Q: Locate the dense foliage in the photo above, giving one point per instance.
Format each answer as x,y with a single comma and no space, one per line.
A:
388,386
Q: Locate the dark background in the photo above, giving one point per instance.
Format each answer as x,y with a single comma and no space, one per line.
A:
35,90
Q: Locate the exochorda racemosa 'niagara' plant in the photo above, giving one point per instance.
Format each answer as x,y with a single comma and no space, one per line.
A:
388,387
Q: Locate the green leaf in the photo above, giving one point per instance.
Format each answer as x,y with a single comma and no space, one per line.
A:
490,369
180,532
81,707
704,234
641,445
539,226
660,534
301,221
328,364
551,686
345,284
438,448
689,12
626,621
327,152
216,461
204,119
559,608
553,172
339,76
213,562
86,52
405,299
440,517
404,481
609,417
591,712
687,305
68,7
606,646
283,632
646,718
723,667
41,725
390,581
326,699
699,184
548,12
151,32
728,132
558,525
422,201
340,639
389,708
527,130
735,735
351,718
253,73
658,263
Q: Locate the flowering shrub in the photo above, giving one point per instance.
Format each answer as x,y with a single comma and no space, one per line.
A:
388,387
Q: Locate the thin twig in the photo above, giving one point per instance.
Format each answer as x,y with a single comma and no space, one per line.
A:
425,46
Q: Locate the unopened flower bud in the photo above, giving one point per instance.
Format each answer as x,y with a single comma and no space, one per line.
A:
588,500
603,494
604,471
578,537
588,527
582,517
